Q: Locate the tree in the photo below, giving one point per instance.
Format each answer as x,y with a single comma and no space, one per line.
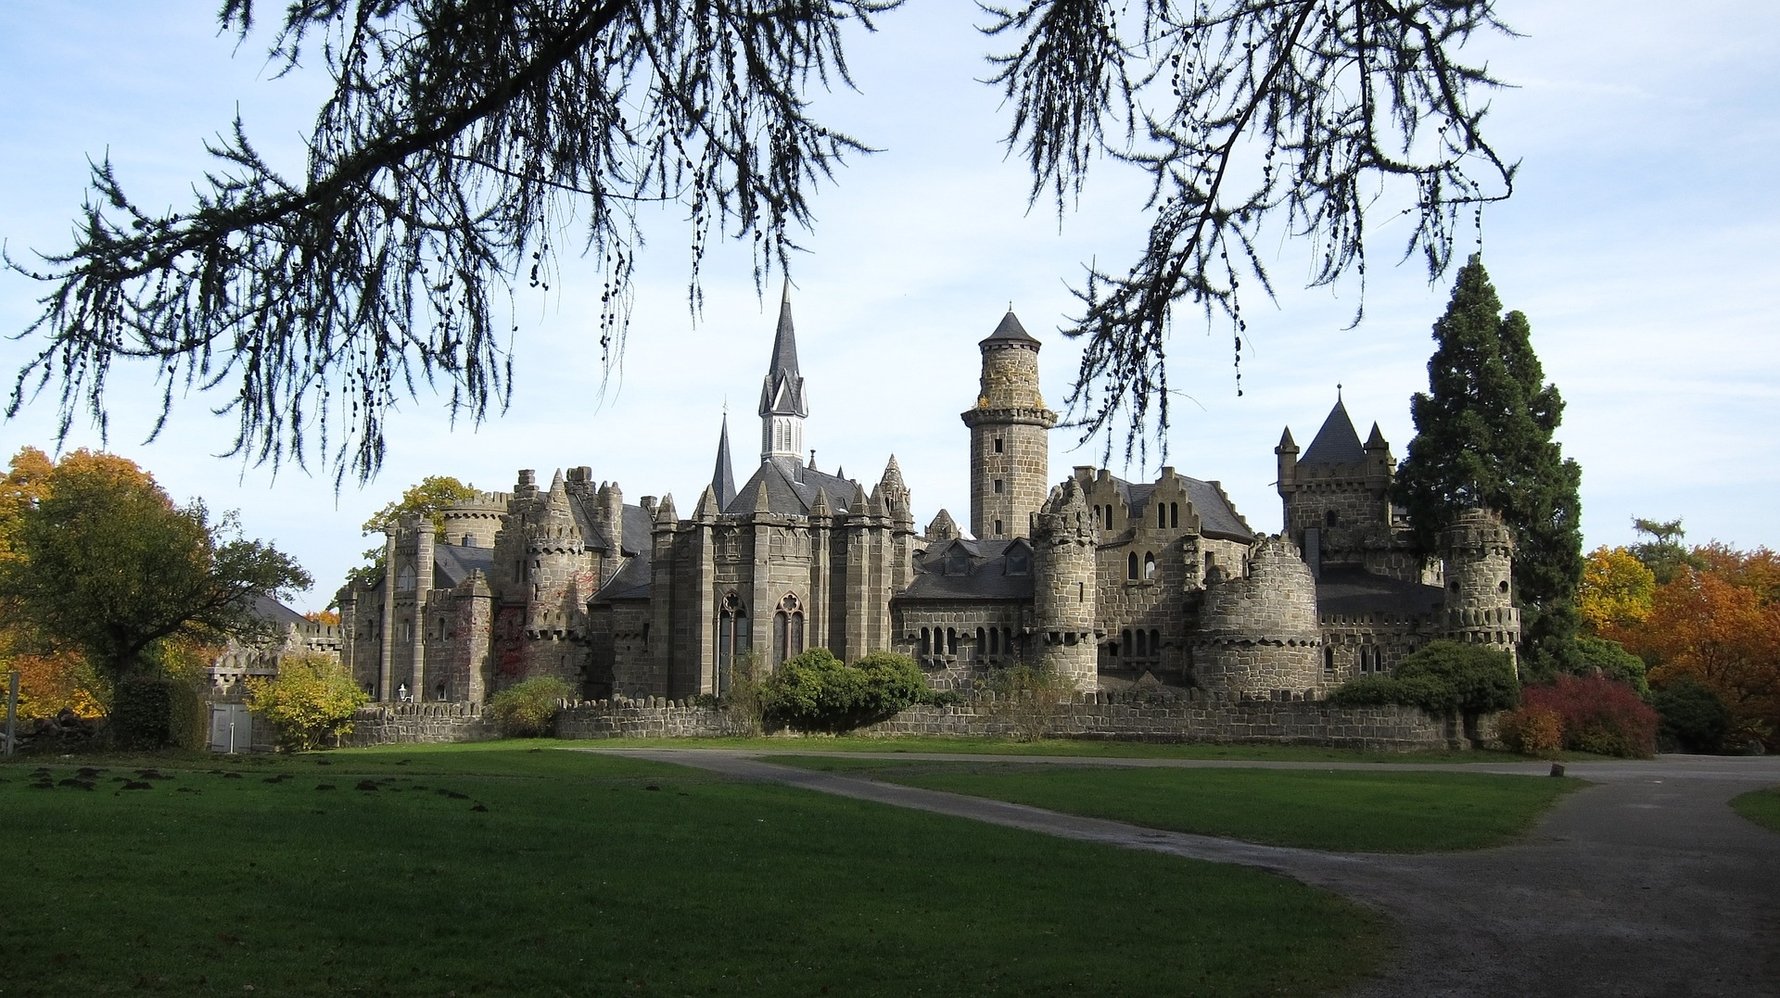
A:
430,498
460,134
1722,636
1616,590
1484,438
107,566
312,698
1663,553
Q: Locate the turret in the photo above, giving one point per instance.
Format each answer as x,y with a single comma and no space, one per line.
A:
1009,435
1259,632
1479,554
1064,589
474,522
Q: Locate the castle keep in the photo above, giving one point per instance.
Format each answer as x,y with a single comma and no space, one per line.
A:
1110,583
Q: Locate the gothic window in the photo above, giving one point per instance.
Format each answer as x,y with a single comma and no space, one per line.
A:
732,633
1161,515
787,629
1328,660
405,579
1131,566
982,649
1174,514
1149,566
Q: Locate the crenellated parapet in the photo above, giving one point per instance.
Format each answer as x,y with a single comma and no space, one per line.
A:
1259,631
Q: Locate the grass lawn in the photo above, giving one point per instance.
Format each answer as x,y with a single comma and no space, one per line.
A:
501,869
1760,806
1089,748
1343,810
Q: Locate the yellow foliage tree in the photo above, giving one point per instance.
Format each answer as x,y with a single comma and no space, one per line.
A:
312,698
1616,591
1723,636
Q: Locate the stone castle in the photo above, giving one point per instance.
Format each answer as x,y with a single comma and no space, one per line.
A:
1110,583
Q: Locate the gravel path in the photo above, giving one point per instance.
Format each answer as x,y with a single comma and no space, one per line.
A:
1643,884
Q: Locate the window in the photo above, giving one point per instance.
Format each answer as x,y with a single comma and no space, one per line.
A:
732,633
951,641
997,445
1328,660
926,642
982,648
1019,561
1161,515
1174,514
1149,567
1131,566
1108,512
787,629
1329,518
997,486
405,579
998,528
958,559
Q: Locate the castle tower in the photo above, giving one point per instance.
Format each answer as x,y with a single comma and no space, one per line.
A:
1009,435
1064,586
1479,552
782,402
474,522
1259,632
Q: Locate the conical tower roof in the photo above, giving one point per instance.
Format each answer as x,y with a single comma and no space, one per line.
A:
782,392
723,477
1337,442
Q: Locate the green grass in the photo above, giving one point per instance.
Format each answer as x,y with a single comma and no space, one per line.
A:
1760,806
1341,810
1087,748
575,873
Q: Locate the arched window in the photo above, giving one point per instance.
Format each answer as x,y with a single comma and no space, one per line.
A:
951,641
1329,518
732,633
1161,514
405,579
1131,566
982,650
1155,643
1109,525
1174,514
1142,649
787,629
926,642
1149,566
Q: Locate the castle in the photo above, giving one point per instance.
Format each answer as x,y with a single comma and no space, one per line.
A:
1107,582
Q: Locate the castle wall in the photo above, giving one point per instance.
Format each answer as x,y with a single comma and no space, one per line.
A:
952,641
1259,632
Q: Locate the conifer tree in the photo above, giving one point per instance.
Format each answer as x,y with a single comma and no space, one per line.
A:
1484,438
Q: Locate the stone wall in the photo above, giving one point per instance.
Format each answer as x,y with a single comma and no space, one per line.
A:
1130,716
420,723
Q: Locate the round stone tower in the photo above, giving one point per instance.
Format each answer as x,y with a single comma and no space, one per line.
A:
1258,632
474,522
1009,435
1480,608
1063,587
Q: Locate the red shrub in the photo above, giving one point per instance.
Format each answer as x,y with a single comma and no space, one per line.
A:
1531,731
1599,715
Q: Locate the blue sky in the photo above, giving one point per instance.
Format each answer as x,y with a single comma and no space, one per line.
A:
1643,243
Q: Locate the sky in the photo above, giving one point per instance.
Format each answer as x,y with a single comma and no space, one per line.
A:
1642,242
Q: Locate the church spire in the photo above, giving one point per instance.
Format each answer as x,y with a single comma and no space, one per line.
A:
723,478
782,402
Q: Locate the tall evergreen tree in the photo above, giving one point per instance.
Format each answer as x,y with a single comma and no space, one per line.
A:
1484,438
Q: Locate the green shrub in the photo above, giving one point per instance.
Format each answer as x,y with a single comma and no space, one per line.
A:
151,712
1598,656
1028,699
1442,677
817,692
1531,731
528,708
310,700
1692,718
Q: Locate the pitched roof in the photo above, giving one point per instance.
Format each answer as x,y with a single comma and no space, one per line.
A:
1217,518
988,577
1336,442
791,489
1349,591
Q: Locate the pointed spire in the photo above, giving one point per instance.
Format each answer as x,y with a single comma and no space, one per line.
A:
1375,440
707,509
723,478
893,473
782,393
763,502
821,507
1286,443
664,513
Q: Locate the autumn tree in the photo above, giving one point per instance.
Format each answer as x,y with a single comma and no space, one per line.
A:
1616,590
459,135
311,699
1484,438
104,564
1724,637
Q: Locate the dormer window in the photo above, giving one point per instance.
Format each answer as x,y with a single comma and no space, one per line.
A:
1019,561
957,562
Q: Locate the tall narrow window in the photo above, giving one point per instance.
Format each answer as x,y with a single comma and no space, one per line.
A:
982,650
1161,514
787,629
997,445
1131,566
1174,514
1108,511
1149,566
998,486
951,641
732,634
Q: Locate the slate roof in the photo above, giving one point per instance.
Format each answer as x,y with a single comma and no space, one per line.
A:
782,391
1336,442
633,581
277,614
723,476
988,578
1217,518
453,563
1010,329
791,489
1352,591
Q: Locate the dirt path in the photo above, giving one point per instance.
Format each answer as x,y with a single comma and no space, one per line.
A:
1644,884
